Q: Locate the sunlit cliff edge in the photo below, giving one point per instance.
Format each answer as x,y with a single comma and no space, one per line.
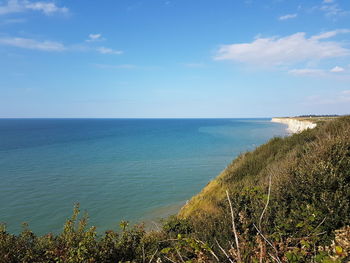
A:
295,125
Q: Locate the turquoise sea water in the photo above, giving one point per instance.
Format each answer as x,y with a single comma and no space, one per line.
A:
117,169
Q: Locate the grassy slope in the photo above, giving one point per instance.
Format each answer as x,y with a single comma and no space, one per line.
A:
311,169
246,170
309,200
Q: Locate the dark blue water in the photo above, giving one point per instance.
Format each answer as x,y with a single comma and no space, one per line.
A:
117,169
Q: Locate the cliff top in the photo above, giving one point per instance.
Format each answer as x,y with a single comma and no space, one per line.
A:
314,119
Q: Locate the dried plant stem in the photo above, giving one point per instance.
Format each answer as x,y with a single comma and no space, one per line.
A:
268,242
262,252
239,260
150,261
324,219
143,253
223,251
170,259
211,251
267,203
276,258
178,253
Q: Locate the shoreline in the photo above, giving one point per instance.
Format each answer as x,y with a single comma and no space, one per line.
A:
295,125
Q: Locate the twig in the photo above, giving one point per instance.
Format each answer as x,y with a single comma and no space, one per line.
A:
150,261
268,242
261,252
167,240
211,251
223,251
143,253
260,219
276,259
182,260
231,245
324,219
267,203
170,259
199,241
234,228
319,234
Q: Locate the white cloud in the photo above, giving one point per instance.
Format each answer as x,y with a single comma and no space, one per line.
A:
289,50
18,6
194,65
333,10
122,66
46,8
318,72
337,69
12,21
330,34
46,45
288,16
328,1
95,38
28,43
306,72
105,50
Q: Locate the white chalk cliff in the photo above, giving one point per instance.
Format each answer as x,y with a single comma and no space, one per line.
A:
295,125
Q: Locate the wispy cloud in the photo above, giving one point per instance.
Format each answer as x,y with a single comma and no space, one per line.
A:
46,8
338,98
28,43
12,21
18,6
332,9
122,66
194,65
307,72
337,69
289,50
95,38
319,72
48,45
288,16
105,50
330,34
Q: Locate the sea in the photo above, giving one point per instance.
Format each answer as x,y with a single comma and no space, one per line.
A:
139,170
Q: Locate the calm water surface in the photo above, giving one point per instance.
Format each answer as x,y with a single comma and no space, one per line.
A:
117,169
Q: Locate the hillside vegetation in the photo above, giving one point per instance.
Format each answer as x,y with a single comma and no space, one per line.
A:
287,201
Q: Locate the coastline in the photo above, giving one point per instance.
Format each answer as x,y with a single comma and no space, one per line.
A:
295,125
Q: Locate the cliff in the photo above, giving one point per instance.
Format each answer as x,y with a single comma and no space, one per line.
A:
295,125
293,188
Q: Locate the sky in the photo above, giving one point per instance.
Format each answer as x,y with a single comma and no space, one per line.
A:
174,58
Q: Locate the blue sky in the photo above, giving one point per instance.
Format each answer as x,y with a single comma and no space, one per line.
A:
174,58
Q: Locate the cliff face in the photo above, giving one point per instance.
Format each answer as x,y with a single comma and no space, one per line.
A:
295,125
